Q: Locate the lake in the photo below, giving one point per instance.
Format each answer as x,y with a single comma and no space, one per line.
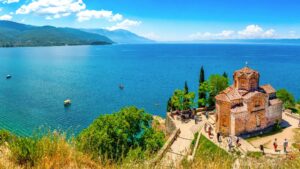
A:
43,77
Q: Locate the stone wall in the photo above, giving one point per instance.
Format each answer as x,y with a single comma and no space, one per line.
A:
170,124
274,113
223,117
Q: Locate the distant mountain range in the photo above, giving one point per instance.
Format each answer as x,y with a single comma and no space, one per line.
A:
14,34
120,36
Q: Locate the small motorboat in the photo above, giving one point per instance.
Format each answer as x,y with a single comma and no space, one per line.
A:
8,76
121,86
67,102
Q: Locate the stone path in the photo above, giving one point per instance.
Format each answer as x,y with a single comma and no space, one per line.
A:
181,146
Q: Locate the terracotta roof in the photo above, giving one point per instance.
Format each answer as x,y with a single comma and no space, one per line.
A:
230,93
250,94
268,89
246,70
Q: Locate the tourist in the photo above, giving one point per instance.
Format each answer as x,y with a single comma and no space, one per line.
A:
237,142
229,140
262,149
206,115
219,137
285,145
209,131
205,127
275,145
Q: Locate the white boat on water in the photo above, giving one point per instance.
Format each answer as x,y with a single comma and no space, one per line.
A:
67,102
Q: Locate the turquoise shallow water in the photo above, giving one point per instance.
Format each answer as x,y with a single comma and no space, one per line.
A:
90,75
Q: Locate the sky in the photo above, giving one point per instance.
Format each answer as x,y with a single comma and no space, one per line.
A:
165,20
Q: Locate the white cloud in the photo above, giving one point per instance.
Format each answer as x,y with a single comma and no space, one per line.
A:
255,31
9,1
151,36
250,32
6,17
52,9
125,24
226,34
90,14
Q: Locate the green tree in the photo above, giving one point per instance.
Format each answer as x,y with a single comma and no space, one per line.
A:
216,84
204,88
112,136
201,93
181,100
225,75
286,97
169,105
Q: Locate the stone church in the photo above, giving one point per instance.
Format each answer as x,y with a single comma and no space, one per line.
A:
245,106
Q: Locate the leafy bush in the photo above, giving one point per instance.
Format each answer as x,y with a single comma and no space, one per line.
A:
24,151
112,136
287,98
277,127
6,136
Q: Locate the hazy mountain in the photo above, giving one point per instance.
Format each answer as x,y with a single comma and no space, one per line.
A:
14,34
120,36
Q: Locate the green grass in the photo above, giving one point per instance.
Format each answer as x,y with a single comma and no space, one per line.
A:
208,155
254,154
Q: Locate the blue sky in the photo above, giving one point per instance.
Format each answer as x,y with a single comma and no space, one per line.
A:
165,20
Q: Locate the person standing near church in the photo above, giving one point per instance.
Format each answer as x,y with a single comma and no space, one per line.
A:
275,145
285,145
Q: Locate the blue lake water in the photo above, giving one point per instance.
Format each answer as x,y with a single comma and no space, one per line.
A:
44,77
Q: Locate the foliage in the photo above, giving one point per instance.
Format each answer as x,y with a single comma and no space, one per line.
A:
6,136
112,136
152,140
254,154
201,92
24,151
182,100
277,127
286,97
194,140
212,87
225,75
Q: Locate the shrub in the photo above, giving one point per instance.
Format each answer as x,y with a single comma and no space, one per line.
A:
112,136
277,127
24,151
6,136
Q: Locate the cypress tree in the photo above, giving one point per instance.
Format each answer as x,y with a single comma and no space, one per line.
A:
186,100
169,105
186,88
225,75
201,95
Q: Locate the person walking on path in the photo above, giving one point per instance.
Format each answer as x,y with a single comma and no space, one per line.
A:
205,127
229,143
206,115
209,131
237,142
275,145
219,137
262,149
285,145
